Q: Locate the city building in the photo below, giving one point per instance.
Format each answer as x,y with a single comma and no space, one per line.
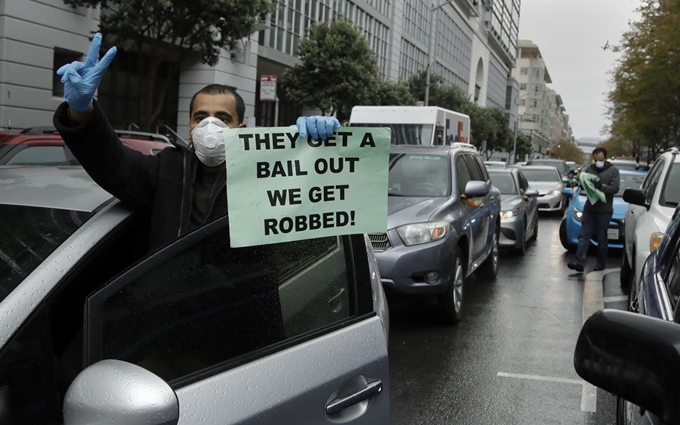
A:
474,47
541,113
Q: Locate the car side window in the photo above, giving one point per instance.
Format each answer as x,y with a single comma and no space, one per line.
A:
200,304
523,183
480,164
475,168
462,173
40,155
653,181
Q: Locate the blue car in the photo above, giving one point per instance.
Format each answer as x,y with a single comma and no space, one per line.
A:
570,228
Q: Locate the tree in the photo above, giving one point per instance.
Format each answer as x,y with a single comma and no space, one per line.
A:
644,105
618,146
172,30
338,70
445,96
391,93
524,146
489,130
569,151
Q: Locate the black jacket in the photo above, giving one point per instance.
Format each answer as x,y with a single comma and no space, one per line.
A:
609,175
160,186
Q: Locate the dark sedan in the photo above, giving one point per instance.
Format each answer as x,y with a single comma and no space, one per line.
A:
519,209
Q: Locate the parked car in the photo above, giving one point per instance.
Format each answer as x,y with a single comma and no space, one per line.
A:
570,227
495,165
443,224
650,210
197,331
628,164
560,164
656,296
44,146
548,181
519,209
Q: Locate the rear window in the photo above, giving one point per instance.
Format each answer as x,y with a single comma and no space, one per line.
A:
28,235
504,182
628,181
541,175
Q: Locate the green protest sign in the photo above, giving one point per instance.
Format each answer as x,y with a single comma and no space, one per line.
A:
281,187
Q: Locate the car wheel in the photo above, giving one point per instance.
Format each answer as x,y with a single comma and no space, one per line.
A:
489,268
563,237
626,271
450,304
523,243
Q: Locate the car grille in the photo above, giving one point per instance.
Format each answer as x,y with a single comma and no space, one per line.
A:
380,241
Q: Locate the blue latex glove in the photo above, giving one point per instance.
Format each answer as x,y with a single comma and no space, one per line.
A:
318,126
81,79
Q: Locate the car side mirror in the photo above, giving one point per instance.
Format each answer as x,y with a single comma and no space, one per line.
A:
117,392
567,191
531,193
476,189
635,197
633,356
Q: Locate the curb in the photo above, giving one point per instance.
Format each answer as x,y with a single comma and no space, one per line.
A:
593,292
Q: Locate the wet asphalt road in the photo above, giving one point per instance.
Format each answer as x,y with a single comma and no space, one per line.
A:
510,361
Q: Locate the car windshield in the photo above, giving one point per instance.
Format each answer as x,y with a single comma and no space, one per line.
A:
406,134
504,182
629,181
541,175
671,188
419,175
28,235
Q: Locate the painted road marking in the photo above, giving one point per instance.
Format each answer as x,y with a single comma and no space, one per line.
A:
615,298
588,392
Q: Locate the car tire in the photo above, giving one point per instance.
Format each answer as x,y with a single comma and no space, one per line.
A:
450,304
523,244
563,237
626,271
489,268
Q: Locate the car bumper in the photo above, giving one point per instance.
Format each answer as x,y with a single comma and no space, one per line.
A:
512,230
615,232
402,268
550,202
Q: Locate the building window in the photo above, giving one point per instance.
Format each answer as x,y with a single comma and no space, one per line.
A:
537,73
537,89
534,103
524,71
61,57
522,87
523,102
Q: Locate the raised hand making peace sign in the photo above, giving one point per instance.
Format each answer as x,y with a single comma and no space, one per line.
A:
81,79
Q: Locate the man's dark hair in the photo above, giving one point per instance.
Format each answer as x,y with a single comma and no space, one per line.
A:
216,89
600,150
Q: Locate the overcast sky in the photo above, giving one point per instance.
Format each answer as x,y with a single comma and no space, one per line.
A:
571,35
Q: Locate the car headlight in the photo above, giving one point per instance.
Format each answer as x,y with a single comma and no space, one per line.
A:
419,233
556,192
578,214
655,241
510,213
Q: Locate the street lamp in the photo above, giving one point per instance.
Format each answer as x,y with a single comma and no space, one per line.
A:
433,9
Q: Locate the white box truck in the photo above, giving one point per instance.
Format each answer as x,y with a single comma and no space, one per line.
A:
415,125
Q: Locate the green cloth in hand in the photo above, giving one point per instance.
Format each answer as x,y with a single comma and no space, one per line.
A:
587,182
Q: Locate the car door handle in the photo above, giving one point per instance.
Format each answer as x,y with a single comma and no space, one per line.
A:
372,388
335,297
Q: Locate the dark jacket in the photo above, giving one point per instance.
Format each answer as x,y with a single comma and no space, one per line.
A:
609,176
160,186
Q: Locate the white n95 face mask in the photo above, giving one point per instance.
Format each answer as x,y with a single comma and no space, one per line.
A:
208,140
599,164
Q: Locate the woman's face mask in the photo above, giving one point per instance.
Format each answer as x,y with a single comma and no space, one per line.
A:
208,140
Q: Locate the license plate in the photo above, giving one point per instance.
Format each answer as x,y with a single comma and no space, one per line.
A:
612,233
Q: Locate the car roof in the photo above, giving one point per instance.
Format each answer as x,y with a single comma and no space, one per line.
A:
546,160
502,170
135,139
435,150
633,172
538,167
65,188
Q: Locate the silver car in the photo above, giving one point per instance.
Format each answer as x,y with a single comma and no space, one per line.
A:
549,183
519,209
94,330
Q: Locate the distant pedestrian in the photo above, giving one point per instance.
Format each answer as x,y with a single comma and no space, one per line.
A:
596,216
